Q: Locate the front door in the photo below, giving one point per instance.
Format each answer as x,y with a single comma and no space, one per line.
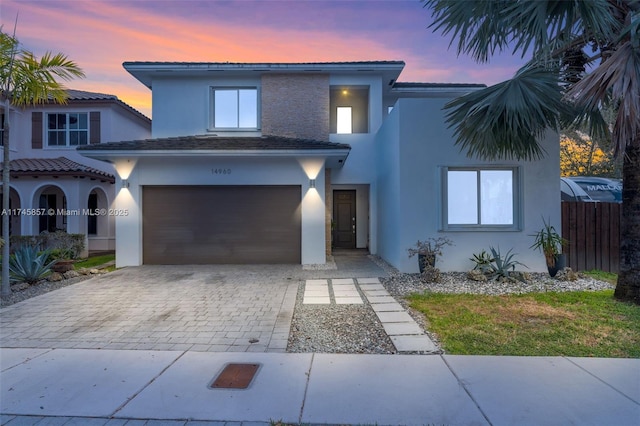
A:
344,219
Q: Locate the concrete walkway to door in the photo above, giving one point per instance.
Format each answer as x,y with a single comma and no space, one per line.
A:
209,308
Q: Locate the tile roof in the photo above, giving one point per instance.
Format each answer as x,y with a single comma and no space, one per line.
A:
60,166
217,143
253,64
81,95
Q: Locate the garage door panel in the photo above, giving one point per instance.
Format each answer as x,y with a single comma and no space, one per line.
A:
221,224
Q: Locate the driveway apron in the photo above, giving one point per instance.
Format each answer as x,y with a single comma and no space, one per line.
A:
210,308
205,308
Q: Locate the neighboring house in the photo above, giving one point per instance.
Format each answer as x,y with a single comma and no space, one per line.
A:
280,162
53,187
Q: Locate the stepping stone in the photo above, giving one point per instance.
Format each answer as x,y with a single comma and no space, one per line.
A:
346,293
368,281
387,307
319,292
349,301
372,287
402,328
413,343
316,282
376,293
316,300
394,317
342,281
381,299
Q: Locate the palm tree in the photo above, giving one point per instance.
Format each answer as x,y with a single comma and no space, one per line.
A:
26,80
583,57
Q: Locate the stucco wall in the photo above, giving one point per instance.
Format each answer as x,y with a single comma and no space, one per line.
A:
425,145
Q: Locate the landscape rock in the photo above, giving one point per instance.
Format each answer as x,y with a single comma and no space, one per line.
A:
55,277
476,275
71,274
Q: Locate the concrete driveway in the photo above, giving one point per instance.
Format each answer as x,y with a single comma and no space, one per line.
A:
210,308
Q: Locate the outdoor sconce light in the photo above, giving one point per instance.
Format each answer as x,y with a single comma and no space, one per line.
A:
312,183
125,183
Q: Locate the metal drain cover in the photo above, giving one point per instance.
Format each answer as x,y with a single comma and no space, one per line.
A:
235,376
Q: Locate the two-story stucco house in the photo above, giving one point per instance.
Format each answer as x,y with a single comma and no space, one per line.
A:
280,162
53,187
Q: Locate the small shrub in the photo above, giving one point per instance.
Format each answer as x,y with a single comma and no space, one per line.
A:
71,243
28,265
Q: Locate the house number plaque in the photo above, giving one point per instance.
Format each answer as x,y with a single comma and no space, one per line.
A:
221,171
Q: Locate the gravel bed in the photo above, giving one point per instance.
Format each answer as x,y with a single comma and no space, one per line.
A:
346,329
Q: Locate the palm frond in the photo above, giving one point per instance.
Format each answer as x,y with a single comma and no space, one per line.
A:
479,26
619,78
36,81
506,120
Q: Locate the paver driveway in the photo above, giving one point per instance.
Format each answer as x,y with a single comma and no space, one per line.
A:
202,308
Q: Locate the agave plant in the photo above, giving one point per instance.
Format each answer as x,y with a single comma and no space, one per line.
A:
498,267
29,266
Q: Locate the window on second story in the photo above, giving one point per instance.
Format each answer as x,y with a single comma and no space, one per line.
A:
349,109
1,129
67,129
235,108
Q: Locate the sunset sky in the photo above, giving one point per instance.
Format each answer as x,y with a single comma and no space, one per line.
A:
100,35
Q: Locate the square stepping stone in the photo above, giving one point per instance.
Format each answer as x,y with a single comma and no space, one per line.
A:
349,301
376,292
316,300
381,299
413,343
346,293
316,282
394,317
402,328
387,307
315,293
372,287
341,281
368,281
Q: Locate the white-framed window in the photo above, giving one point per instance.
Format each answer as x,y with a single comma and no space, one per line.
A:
67,129
235,107
481,198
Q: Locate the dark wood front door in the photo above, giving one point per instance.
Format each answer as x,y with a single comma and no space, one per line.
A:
344,219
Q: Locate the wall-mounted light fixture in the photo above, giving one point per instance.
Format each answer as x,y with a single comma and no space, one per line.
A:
312,183
125,183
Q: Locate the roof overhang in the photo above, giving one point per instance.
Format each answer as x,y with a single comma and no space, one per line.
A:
146,72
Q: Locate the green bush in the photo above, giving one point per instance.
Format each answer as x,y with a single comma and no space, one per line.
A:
26,264
70,244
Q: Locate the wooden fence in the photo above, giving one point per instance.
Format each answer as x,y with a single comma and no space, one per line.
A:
593,234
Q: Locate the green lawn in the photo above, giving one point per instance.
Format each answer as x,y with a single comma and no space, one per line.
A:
92,262
538,324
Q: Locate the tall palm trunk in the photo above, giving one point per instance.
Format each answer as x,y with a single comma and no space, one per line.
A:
628,287
6,285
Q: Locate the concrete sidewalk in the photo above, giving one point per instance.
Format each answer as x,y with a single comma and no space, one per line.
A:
117,387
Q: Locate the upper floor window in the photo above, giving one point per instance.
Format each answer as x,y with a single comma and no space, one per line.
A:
67,129
235,108
349,109
481,198
2,129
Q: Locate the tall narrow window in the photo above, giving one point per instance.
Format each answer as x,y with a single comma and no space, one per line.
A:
235,108
345,120
481,198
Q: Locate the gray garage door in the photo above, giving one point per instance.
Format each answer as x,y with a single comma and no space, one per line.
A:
221,224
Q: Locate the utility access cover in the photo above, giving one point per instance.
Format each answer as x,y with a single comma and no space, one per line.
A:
235,376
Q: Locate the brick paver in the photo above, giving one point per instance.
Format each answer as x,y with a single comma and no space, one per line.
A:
158,308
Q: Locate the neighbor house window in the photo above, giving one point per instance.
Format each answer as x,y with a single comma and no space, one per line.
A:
235,108
479,197
2,129
349,109
69,129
